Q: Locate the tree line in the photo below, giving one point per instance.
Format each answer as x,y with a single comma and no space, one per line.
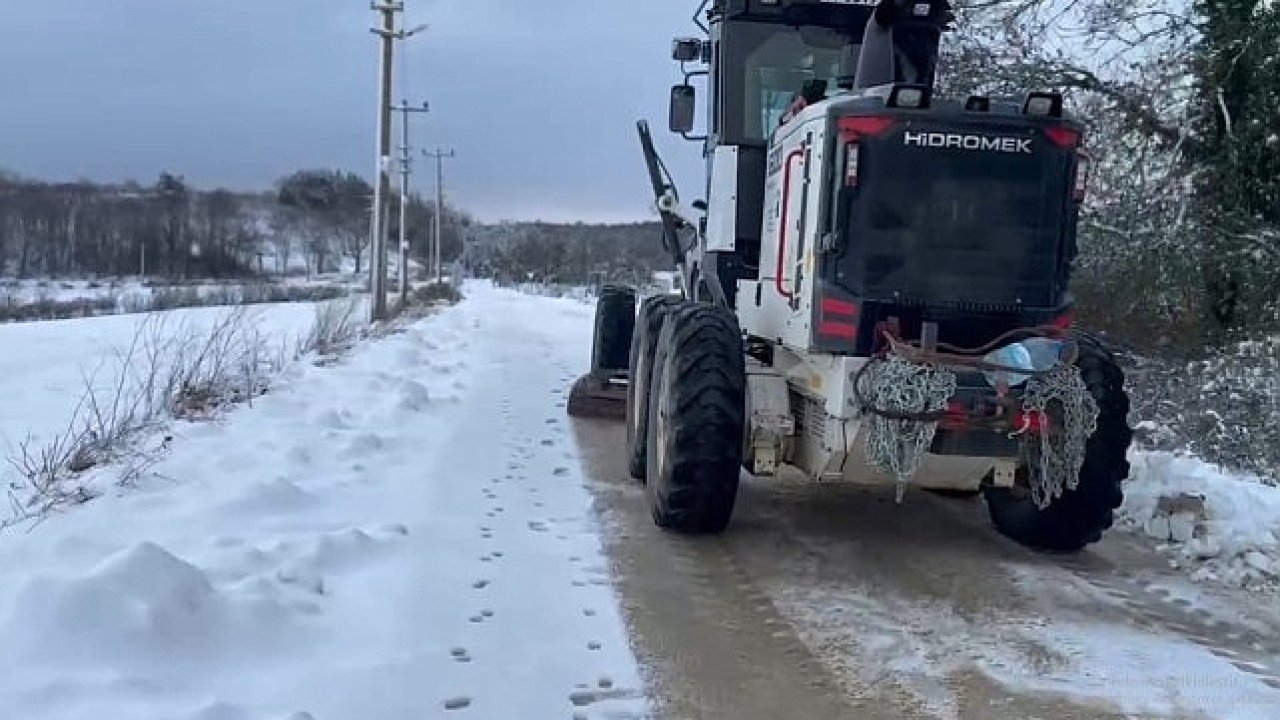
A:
569,253
313,221
1180,238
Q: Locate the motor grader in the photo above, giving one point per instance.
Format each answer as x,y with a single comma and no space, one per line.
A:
876,288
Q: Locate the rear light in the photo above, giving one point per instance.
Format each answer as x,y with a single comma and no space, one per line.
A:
853,129
956,417
1084,166
1033,423
852,132
852,156
837,330
1064,321
838,319
1063,136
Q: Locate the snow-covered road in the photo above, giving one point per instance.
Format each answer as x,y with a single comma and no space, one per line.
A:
404,534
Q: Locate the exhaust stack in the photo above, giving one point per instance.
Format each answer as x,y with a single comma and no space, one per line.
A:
900,44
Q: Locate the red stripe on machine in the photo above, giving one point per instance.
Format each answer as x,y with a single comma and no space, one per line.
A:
831,328
831,306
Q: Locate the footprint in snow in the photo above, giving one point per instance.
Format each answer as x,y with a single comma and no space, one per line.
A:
583,698
537,526
335,419
365,444
303,578
300,455
480,584
588,612
414,397
457,703
560,471
548,443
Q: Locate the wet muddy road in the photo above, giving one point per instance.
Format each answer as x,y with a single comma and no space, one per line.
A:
829,601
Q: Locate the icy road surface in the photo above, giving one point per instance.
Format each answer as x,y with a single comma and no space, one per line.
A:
420,532
830,601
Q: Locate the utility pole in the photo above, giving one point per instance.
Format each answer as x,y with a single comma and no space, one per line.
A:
380,226
406,169
437,246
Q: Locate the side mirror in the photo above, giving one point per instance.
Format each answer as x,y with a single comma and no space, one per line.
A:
686,49
684,100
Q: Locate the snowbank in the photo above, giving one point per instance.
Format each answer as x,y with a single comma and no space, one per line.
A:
1223,527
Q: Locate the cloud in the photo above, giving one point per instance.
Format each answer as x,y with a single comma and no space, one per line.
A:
538,98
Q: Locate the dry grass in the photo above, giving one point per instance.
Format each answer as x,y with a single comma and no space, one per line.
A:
337,326
166,372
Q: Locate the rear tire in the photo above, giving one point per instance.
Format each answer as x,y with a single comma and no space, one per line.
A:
696,418
1080,516
615,319
644,342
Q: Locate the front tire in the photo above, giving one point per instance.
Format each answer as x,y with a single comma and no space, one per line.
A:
644,343
615,319
696,420
1080,516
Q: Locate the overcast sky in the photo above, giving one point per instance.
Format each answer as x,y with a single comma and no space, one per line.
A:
539,97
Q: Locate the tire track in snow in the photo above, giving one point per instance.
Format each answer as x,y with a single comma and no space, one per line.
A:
1156,608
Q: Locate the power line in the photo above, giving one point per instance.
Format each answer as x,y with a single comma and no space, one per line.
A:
437,247
406,170
380,225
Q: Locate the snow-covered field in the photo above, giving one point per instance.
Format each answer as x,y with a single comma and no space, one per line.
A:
34,300
402,534
27,291
44,366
